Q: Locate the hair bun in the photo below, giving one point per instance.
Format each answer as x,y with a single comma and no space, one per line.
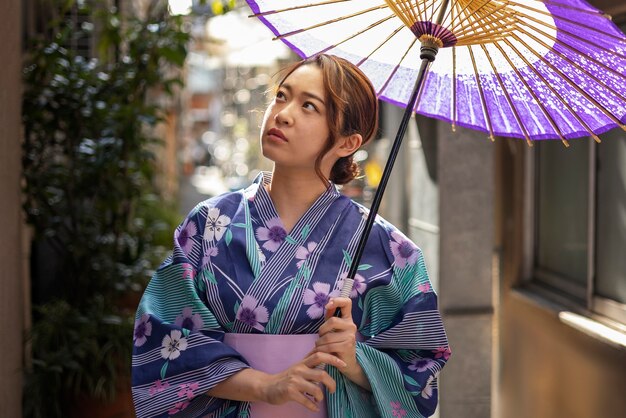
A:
344,171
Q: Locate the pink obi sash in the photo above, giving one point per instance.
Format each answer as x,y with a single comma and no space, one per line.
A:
272,353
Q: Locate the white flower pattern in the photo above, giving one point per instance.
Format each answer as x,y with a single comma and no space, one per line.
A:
172,345
216,225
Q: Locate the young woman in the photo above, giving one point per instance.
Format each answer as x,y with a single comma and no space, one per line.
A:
238,321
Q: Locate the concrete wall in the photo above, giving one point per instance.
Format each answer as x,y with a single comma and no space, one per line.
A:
466,201
11,258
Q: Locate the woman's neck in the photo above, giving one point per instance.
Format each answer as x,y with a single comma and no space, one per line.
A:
293,193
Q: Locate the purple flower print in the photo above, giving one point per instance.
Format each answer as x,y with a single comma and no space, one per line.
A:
158,386
420,364
404,251
397,409
187,231
318,298
358,286
186,390
442,352
178,406
209,252
273,235
252,314
172,345
143,329
216,225
189,320
302,253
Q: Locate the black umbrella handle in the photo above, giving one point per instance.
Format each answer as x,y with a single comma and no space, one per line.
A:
428,53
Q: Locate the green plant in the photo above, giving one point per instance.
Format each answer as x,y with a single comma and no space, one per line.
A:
88,165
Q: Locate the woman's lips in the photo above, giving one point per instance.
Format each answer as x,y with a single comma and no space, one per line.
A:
278,134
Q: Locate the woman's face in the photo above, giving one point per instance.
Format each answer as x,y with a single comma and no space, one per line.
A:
295,129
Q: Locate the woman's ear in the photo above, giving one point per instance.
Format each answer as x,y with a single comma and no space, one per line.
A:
348,145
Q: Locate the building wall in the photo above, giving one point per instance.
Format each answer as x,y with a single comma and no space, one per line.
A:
548,369
11,255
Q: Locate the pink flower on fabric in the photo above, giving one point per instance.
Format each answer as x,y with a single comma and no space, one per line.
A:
273,235
404,251
158,386
420,364
252,314
186,390
143,329
178,406
318,298
209,252
397,409
187,319
188,272
424,288
302,253
427,392
358,286
187,231
442,352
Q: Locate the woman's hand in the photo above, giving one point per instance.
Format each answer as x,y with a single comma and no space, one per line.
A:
300,382
338,337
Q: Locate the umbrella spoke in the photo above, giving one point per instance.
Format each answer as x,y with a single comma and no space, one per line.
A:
391,35
473,26
454,110
302,6
576,87
552,89
482,94
566,32
575,64
573,22
571,48
373,25
569,6
508,97
532,93
395,69
328,22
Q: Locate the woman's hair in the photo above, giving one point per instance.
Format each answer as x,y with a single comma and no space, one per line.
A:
351,108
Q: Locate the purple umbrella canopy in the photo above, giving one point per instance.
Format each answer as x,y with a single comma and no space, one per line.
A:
516,68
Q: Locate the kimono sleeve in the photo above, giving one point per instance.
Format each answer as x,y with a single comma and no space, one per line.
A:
178,352
405,345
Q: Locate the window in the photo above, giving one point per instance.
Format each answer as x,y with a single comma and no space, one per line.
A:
580,222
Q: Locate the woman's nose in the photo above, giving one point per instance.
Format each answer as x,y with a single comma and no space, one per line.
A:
284,116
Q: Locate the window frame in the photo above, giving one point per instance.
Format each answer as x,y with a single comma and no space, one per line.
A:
548,283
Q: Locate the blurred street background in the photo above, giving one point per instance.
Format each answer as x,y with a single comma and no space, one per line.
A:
117,117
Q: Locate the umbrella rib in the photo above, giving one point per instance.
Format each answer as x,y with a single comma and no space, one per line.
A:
576,87
575,64
563,43
532,93
482,94
317,25
475,24
356,34
610,51
302,6
569,6
394,33
573,22
507,95
395,69
549,86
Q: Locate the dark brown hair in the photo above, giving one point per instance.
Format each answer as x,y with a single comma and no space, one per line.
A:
351,108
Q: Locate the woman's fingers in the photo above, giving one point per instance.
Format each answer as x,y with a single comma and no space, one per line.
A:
344,304
323,358
335,324
305,401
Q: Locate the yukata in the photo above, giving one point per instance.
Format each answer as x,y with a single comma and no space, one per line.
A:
234,269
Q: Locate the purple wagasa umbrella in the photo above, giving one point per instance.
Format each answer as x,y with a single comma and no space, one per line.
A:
517,68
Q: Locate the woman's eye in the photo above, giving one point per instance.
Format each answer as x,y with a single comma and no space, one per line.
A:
309,106
280,95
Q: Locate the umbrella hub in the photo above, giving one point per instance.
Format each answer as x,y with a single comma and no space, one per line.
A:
430,46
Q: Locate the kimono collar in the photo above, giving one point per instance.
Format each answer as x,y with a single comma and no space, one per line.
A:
265,178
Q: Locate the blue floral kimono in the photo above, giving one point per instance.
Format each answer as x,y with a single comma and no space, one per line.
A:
234,268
